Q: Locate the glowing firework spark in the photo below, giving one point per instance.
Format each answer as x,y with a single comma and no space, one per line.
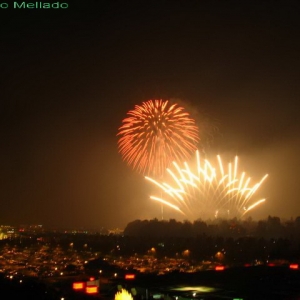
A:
123,295
208,192
156,133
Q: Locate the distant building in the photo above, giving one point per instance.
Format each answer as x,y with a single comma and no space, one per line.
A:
116,231
7,232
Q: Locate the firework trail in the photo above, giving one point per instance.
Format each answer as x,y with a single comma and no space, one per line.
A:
156,133
208,192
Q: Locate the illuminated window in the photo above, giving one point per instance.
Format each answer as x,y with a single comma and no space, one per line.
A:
78,285
294,266
92,289
129,276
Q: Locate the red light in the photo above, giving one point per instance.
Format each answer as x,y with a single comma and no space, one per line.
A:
219,268
92,289
247,265
78,285
92,278
271,265
129,276
294,266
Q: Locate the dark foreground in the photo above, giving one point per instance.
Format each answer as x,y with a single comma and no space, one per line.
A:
237,283
260,282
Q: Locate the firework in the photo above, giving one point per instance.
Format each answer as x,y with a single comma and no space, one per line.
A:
156,133
123,295
206,191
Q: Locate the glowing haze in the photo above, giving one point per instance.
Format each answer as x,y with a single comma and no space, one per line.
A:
205,191
156,133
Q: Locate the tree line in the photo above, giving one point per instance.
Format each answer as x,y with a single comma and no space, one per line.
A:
272,227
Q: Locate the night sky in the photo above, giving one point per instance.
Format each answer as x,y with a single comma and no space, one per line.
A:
69,76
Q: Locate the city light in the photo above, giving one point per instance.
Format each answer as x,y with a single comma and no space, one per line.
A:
92,289
78,285
130,276
294,266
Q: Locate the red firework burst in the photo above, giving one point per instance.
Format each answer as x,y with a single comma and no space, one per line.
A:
156,133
